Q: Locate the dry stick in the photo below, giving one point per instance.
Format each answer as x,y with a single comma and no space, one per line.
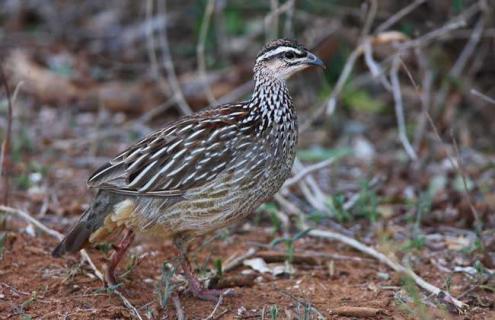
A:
275,12
346,72
301,301
200,50
462,171
10,118
150,40
310,195
458,167
445,296
349,65
426,93
375,69
455,23
370,18
273,31
315,190
307,170
397,16
482,96
5,154
399,108
57,235
217,305
233,263
289,17
461,61
169,64
179,312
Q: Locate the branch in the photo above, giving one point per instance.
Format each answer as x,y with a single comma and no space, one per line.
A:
169,64
399,108
5,153
442,295
482,96
307,170
399,15
200,50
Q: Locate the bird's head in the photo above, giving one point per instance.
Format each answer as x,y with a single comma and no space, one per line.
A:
282,58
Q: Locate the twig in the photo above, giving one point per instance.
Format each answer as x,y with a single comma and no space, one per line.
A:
307,170
346,72
397,16
150,40
301,301
426,93
275,12
455,23
462,172
460,64
351,61
289,17
57,235
359,312
273,31
375,69
483,96
169,64
312,192
217,305
233,263
399,108
5,154
442,295
370,17
179,312
27,217
200,49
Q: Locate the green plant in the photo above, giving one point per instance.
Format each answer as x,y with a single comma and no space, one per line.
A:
218,267
273,312
289,243
415,306
165,285
336,206
366,205
272,210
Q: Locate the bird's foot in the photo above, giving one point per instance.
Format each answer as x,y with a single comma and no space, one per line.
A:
202,293
210,294
117,255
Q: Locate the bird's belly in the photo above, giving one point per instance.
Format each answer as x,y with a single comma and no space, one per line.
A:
212,208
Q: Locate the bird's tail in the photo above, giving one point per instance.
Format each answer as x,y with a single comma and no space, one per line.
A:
90,221
76,239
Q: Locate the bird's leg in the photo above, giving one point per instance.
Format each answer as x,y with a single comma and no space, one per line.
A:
118,253
194,284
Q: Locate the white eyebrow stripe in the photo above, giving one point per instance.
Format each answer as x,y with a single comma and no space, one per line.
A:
272,53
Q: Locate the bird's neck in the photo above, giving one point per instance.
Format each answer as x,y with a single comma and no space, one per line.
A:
271,95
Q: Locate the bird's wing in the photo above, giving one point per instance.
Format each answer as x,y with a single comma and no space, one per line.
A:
185,155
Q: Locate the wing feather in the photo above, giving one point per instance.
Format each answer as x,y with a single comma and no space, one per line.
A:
180,157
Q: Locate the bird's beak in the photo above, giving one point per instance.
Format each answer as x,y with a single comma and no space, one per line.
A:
313,60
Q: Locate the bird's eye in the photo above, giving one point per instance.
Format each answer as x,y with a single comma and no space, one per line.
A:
289,55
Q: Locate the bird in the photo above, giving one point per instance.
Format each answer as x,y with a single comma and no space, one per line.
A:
203,172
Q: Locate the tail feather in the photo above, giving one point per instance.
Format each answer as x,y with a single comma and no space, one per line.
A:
90,221
74,241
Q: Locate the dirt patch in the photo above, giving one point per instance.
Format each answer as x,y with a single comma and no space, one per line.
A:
33,284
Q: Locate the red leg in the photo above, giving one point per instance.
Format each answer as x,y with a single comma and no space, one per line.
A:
117,255
194,284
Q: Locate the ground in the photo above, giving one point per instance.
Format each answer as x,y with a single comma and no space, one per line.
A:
35,285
